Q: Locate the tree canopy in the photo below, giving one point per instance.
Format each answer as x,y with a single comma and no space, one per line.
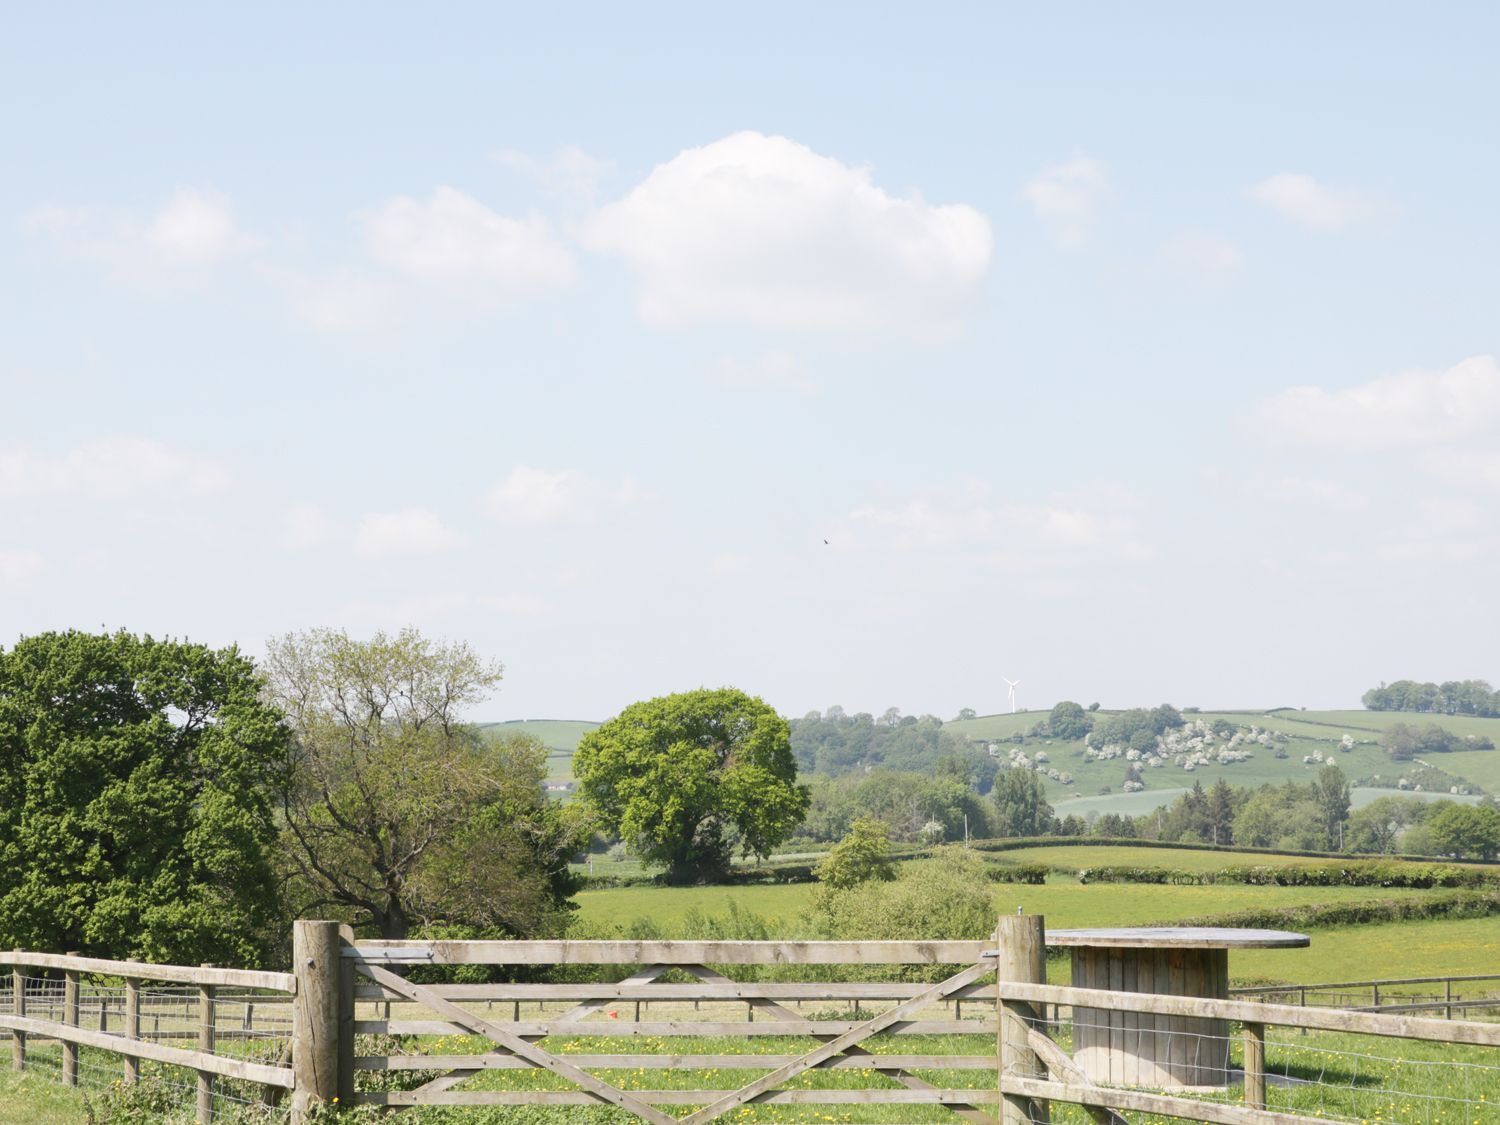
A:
1021,807
686,778
137,783
398,813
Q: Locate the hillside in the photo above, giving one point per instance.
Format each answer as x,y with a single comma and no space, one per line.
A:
559,736
1297,744
1307,734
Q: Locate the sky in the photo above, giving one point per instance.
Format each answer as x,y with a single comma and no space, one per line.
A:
857,354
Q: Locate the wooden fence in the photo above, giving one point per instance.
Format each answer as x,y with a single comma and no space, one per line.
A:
71,1009
988,1036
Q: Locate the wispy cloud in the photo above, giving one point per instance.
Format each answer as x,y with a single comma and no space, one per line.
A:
1067,197
1410,408
1317,206
107,468
413,531
454,241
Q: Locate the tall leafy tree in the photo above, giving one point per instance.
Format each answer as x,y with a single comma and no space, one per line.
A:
137,793
1021,807
399,813
686,778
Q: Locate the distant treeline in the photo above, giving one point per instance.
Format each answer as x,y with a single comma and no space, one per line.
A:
1453,697
834,743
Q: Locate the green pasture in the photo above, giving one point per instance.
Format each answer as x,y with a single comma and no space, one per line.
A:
559,736
1180,859
1065,902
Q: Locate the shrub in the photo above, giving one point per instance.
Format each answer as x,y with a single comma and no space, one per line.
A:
1033,874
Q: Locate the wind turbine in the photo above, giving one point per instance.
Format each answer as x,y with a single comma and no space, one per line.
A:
1013,685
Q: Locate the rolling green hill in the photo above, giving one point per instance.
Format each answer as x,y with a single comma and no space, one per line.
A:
559,736
1316,735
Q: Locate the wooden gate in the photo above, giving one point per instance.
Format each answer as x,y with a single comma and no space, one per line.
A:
539,1027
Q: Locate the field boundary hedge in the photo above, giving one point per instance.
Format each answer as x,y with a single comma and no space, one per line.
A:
1371,874
1461,904
1018,842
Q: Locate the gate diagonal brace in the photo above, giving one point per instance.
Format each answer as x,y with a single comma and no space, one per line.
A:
514,1043
837,1045
910,1081
587,1008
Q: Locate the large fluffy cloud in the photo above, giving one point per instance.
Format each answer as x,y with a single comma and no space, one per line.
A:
1408,408
763,231
453,239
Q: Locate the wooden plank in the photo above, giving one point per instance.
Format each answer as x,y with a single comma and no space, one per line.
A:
1130,1034
70,1017
880,1062
1264,990
1281,1015
1255,1065
640,978
513,1042
132,1027
205,1079
683,1097
1178,937
18,1008
750,1092
1216,1113
670,952
618,1028
1064,1069
145,1049
726,990
856,1053
139,970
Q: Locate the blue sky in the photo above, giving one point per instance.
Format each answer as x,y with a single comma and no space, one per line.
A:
1137,353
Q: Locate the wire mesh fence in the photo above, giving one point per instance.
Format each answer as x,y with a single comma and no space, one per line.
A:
241,1024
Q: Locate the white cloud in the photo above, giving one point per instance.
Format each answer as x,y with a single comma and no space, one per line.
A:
342,301
531,495
769,371
763,231
1066,197
454,240
1305,201
1465,467
195,227
1007,533
413,531
107,468
570,174
1408,408
17,566
1201,258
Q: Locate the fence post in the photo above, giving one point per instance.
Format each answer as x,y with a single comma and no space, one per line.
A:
346,1020
315,1015
205,1045
70,1017
132,1026
1448,996
1022,958
1255,1065
18,1005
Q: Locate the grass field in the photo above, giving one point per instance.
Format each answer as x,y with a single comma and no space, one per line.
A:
1341,1076
1065,902
559,736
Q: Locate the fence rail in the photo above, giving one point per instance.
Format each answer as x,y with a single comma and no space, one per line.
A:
112,1008
967,1029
